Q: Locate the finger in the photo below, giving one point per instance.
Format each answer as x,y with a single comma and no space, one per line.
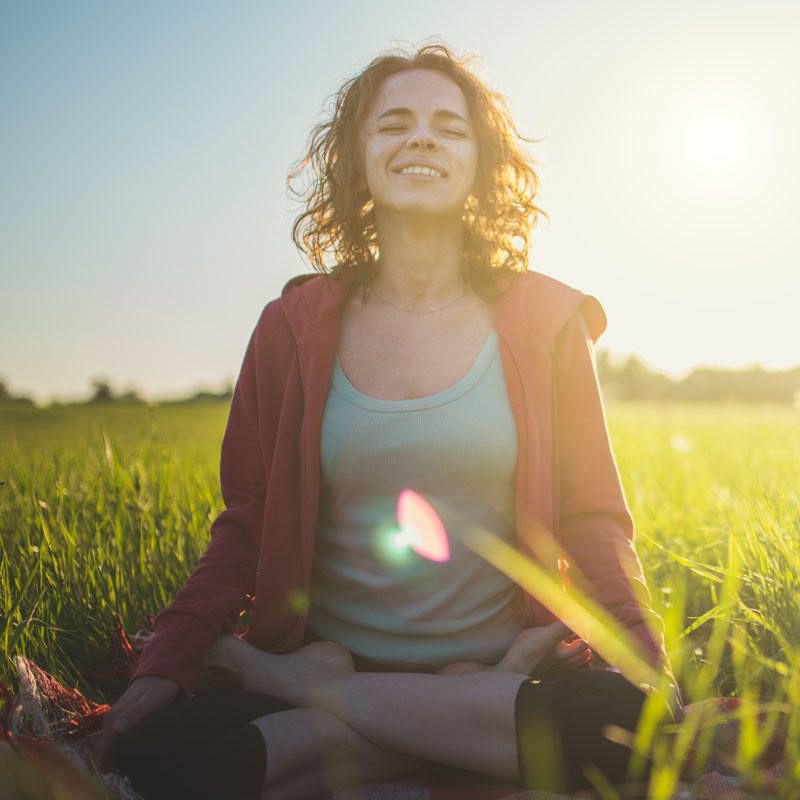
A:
579,658
556,631
568,652
573,659
129,716
115,722
573,650
103,742
573,644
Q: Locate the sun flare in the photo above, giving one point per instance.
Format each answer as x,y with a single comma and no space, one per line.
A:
716,139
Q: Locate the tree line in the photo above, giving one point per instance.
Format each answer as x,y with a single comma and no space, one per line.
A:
103,393
630,379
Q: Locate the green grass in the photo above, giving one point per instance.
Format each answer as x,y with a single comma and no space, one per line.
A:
710,487
106,509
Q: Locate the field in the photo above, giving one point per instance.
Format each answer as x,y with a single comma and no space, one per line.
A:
104,510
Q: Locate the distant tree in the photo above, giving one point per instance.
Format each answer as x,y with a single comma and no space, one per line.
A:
632,379
206,395
603,365
131,396
103,392
7,397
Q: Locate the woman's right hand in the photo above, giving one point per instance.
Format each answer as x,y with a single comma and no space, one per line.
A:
144,696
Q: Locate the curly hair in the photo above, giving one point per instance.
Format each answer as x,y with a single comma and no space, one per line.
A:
336,229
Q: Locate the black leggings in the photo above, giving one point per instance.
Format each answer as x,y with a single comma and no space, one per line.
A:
203,747
561,723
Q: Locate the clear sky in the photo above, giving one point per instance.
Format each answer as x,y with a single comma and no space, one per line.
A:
144,219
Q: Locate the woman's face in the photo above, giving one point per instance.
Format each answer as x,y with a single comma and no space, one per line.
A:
419,152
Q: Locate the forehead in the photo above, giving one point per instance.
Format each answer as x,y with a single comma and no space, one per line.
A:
419,90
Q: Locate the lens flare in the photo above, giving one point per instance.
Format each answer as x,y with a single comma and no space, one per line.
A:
401,540
421,528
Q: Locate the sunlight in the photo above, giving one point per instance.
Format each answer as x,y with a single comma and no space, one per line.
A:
716,139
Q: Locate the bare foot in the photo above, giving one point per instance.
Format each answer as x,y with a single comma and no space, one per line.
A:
289,677
537,651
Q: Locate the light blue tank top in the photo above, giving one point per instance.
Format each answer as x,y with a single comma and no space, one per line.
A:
457,449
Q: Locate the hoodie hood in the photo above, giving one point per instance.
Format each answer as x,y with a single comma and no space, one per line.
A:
311,301
542,306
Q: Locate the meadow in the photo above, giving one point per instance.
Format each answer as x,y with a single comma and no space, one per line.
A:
105,509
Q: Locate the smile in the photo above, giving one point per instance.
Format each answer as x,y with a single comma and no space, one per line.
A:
431,172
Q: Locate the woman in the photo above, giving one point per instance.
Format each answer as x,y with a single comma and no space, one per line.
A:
426,359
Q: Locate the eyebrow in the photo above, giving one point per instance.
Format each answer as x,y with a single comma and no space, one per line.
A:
407,112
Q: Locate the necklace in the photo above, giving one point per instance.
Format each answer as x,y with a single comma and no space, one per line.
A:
408,310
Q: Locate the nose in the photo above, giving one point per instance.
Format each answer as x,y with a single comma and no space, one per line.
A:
422,140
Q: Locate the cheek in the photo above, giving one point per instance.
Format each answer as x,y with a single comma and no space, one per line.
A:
470,165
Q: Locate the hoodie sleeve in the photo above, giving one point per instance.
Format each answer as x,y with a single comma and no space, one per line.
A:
212,598
596,528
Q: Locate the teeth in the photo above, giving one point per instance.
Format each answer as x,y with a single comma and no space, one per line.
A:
432,173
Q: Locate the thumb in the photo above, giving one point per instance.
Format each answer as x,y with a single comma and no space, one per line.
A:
556,631
121,725
129,717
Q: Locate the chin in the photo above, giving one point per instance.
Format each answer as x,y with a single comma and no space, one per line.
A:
424,208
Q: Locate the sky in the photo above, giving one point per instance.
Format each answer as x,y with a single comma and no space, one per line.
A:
144,217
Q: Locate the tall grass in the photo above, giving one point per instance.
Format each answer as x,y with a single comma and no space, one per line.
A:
103,512
106,510
715,491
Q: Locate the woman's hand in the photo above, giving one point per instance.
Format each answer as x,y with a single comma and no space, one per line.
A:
535,652
144,696
551,648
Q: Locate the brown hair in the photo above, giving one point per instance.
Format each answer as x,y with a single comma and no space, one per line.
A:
336,230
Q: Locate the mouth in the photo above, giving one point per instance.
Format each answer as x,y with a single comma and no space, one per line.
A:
417,169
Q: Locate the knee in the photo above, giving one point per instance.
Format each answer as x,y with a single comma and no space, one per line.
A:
561,728
231,764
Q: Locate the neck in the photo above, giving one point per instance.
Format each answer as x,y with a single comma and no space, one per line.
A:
420,261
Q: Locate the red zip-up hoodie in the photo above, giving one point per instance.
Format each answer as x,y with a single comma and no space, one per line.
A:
262,545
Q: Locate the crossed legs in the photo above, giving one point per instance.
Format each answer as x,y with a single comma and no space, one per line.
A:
350,728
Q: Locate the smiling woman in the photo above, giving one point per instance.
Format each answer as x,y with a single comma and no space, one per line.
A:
337,230
425,378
